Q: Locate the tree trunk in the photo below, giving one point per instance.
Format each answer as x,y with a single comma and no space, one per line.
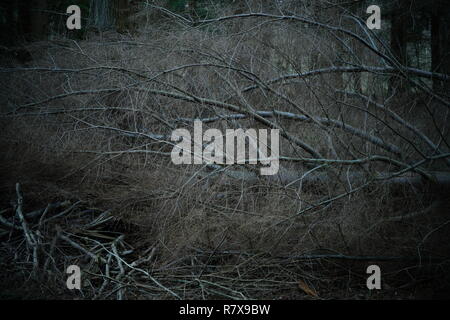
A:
9,7
101,16
398,43
122,13
38,20
440,55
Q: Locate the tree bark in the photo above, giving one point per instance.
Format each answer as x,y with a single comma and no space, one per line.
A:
38,20
122,13
440,55
398,42
101,16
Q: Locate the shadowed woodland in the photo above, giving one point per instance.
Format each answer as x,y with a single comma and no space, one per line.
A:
87,178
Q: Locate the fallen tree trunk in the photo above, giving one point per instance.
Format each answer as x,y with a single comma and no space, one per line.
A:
438,181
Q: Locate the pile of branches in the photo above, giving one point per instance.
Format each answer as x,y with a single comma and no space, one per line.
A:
41,245
45,242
